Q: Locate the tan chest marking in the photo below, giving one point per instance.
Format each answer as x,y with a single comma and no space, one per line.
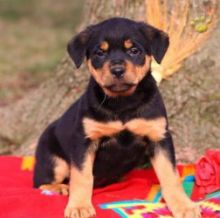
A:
155,129
95,130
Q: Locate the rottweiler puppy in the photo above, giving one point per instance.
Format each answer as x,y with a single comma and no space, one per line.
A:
118,122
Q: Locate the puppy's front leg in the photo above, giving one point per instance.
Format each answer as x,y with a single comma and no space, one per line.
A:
80,191
172,190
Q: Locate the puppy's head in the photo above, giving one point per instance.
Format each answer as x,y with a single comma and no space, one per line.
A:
118,53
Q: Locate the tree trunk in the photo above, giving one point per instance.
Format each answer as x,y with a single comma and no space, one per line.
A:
22,122
191,96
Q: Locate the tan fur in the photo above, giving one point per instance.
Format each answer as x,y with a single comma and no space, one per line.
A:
155,129
128,43
133,74
136,73
61,170
125,93
95,130
104,46
172,190
102,76
58,188
80,190
109,93
142,70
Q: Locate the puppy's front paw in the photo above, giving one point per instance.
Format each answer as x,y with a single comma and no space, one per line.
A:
186,210
73,211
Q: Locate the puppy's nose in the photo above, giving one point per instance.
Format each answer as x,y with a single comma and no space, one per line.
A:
118,71
117,68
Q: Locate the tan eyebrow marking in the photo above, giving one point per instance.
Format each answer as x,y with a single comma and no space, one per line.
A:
128,43
104,46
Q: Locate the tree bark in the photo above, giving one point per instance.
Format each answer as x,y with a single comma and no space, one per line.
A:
22,122
191,95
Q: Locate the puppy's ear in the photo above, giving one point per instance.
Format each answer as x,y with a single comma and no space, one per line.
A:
158,40
77,47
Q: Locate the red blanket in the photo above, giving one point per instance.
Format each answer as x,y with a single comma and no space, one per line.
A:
19,200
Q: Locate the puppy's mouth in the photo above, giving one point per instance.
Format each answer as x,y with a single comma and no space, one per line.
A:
121,87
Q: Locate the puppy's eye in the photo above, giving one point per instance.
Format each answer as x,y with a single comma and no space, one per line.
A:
100,53
133,51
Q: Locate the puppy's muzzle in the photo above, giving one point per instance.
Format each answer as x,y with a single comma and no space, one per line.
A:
119,87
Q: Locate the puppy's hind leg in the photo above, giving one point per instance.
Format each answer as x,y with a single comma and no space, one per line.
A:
60,173
50,170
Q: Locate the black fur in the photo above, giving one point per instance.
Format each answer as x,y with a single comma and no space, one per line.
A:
65,137
146,37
